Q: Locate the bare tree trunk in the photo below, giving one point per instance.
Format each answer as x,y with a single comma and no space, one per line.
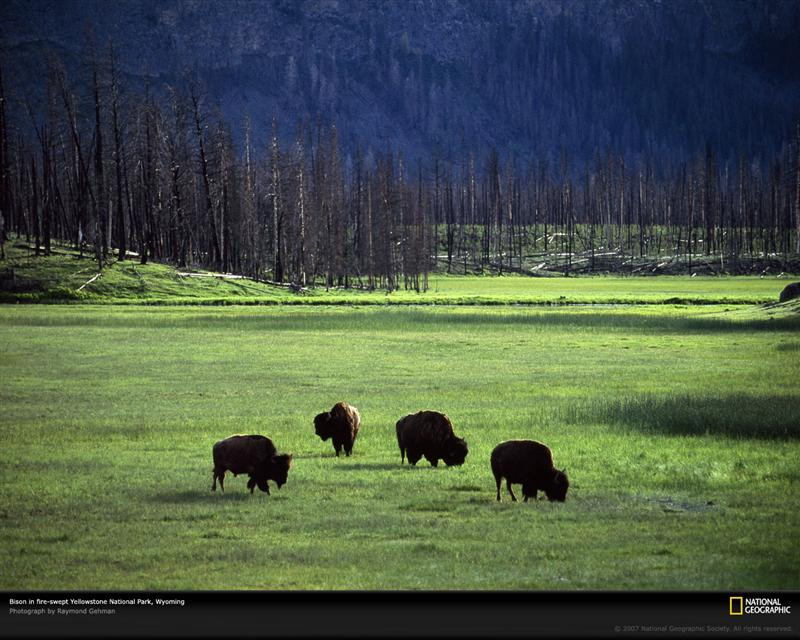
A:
5,185
198,123
277,264
301,214
119,224
797,193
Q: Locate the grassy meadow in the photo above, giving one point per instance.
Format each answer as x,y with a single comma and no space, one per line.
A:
679,427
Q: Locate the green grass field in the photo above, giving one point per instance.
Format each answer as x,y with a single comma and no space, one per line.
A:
679,427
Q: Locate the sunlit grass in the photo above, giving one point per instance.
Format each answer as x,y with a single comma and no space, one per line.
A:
677,425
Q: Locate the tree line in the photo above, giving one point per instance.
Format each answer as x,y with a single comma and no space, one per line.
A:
156,175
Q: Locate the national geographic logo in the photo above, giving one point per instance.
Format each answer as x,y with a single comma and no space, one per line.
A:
739,606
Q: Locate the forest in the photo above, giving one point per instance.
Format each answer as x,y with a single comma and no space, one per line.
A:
158,176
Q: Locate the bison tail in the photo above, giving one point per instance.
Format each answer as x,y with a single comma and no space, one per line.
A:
402,448
497,470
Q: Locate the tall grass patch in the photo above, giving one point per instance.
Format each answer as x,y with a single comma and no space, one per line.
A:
742,415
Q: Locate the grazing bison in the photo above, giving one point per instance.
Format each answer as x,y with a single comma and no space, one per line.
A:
530,464
254,455
341,424
430,434
790,291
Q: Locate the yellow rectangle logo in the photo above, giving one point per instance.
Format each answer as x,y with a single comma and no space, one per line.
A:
737,605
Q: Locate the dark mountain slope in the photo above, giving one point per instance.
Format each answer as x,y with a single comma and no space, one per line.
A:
537,78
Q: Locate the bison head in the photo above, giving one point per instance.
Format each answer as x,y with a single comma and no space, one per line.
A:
322,425
455,452
557,486
279,468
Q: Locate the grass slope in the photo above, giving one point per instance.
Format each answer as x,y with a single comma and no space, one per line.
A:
678,428
59,277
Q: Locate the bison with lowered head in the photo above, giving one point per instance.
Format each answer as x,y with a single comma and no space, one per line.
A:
790,292
254,455
530,464
430,434
341,425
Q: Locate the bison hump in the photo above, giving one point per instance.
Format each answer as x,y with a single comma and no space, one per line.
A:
523,451
346,417
252,448
790,292
345,411
430,427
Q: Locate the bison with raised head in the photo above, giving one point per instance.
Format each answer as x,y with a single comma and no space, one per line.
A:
341,425
430,434
530,464
254,455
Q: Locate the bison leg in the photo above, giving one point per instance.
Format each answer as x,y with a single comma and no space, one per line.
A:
402,455
251,483
508,486
529,490
337,446
219,472
499,480
434,461
413,457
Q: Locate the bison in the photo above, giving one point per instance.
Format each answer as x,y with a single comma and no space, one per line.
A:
790,292
254,455
430,434
530,464
341,424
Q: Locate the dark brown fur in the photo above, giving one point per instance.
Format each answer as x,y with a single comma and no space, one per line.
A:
430,434
790,291
530,464
254,455
340,424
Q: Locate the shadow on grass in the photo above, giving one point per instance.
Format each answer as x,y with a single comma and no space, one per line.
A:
736,416
202,497
368,466
429,507
470,488
394,319
613,320
312,456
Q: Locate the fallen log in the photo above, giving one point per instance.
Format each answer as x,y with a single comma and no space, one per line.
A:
90,280
224,276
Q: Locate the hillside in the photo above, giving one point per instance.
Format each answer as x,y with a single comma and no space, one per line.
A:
66,277
542,79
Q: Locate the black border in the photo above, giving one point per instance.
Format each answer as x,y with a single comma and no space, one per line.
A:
409,614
